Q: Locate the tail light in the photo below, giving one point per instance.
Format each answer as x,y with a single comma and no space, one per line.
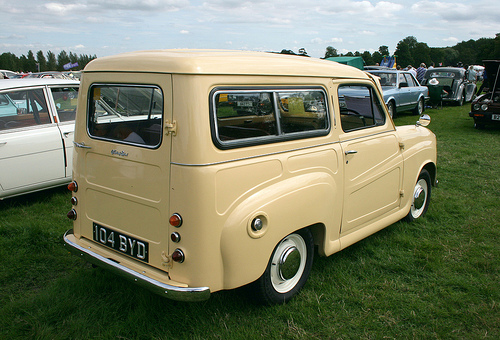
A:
72,214
73,186
178,256
175,220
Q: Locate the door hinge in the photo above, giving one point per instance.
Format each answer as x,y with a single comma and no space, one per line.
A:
402,193
401,145
171,127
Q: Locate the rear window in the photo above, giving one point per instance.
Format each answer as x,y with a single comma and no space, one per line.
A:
248,117
129,114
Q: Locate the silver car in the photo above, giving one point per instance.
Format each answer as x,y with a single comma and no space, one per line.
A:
402,92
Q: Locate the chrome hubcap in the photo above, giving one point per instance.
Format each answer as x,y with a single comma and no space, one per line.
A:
419,198
289,263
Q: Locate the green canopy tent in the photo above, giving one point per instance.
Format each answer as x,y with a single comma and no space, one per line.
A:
357,62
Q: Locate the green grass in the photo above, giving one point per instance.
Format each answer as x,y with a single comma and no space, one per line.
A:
437,278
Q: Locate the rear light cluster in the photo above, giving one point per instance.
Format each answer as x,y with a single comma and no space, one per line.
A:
176,221
73,187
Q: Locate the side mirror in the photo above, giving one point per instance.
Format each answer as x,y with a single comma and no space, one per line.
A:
424,120
403,85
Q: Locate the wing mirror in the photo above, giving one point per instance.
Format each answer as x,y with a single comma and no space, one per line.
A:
424,120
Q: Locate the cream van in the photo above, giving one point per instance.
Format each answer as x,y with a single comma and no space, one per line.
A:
199,171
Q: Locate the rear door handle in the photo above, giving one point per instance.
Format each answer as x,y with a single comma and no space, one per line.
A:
350,152
81,145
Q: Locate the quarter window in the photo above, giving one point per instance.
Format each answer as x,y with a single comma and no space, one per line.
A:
65,99
359,108
130,114
244,117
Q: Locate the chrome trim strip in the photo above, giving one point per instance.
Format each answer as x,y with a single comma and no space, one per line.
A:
168,291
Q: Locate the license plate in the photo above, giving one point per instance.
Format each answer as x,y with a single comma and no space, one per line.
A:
495,117
122,243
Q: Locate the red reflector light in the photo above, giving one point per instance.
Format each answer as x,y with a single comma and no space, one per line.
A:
72,214
478,115
178,255
175,220
73,186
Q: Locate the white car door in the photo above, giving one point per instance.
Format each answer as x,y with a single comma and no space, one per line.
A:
64,100
31,148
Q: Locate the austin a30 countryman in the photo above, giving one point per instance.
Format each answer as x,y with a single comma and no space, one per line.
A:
200,171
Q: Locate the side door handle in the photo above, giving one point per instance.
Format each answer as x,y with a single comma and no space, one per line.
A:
3,143
66,134
350,152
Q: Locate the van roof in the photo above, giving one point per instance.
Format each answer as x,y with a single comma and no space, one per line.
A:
222,62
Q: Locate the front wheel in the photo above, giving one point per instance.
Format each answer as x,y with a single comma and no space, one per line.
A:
419,109
421,197
391,107
288,268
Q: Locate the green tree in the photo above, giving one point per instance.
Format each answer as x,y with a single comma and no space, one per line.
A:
451,57
367,57
403,53
384,50
421,54
9,61
30,62
62,59
377,57
42,62
331,52
51,61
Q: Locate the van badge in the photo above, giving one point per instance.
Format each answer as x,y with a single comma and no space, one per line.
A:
119,153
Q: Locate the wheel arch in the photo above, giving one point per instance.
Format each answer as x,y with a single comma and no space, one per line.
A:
245,252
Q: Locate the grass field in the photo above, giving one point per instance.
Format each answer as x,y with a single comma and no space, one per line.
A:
438,278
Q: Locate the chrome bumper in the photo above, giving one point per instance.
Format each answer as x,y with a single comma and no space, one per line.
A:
169,291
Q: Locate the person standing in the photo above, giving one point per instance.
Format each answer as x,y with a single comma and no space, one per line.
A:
420,72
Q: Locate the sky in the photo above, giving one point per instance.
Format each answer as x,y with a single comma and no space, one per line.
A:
107,27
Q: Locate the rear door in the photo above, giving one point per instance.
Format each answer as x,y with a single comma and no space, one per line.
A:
122,166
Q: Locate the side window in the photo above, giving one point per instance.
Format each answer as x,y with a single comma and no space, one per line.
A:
23,108
247,117
359,108
130,114
409,80
302,111
402,80
65,99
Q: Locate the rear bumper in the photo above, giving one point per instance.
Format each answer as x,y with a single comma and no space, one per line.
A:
166,290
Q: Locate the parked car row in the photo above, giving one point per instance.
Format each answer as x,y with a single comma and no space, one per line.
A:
36,134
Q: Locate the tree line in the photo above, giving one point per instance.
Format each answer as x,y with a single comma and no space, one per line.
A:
410,51
42,62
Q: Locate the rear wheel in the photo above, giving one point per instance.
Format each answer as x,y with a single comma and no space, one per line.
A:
288,268
421,197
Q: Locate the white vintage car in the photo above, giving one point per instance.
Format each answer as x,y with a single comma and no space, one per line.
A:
37,119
